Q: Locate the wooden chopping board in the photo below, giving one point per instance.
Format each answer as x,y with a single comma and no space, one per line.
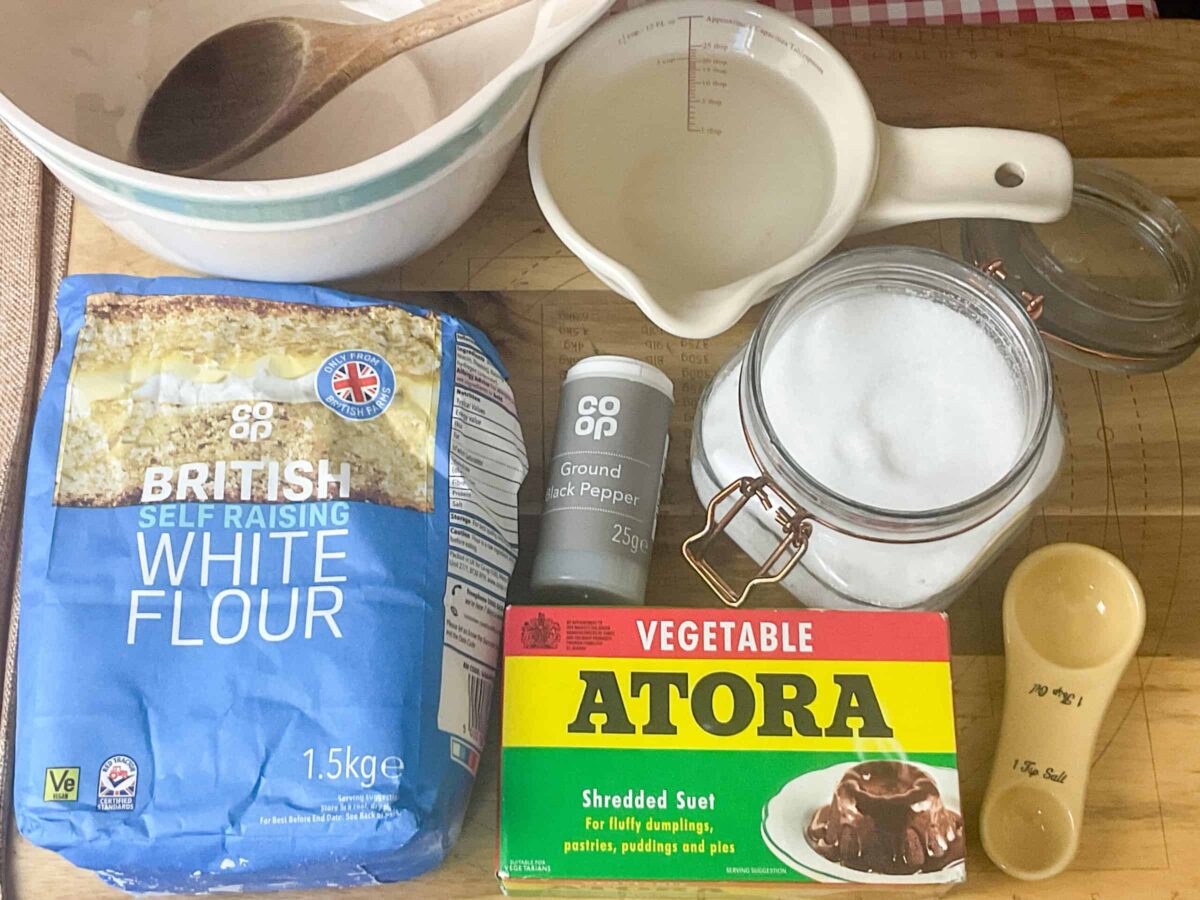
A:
1129,92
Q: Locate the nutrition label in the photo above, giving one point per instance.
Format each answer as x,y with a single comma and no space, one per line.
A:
487,465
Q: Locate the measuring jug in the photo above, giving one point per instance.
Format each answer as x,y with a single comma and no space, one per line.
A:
697,154
1073,617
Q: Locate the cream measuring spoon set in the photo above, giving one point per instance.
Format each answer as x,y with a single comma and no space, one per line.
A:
1073,618
697,154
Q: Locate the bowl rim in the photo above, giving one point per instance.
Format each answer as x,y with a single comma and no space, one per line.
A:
309,211
137,207
546,39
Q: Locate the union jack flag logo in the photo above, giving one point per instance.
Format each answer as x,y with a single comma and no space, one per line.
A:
356,382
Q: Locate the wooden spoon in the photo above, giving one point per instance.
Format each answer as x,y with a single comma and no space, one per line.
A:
246,87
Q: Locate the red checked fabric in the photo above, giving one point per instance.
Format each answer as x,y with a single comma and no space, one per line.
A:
951,12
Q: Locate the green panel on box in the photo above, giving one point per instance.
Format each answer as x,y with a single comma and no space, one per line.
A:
547,831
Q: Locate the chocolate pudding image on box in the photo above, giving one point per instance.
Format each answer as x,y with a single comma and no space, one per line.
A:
887,817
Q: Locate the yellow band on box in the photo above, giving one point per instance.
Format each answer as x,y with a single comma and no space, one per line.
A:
636,703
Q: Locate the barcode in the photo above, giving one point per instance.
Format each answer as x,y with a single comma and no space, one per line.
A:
479,690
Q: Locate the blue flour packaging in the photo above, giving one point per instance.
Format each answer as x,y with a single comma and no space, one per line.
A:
268,535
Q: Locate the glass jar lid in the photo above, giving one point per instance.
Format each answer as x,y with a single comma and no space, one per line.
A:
1118,278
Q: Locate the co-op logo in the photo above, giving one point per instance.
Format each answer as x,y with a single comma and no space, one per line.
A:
597,416
251,421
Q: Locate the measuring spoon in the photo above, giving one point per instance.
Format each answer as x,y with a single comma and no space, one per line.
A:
1073,617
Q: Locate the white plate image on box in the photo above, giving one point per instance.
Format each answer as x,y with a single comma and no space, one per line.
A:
787,816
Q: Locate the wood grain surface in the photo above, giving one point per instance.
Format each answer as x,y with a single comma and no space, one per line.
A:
1129,92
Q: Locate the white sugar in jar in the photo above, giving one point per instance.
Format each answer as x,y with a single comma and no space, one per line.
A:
897,406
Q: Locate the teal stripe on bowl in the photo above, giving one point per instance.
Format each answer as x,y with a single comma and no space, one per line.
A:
316,206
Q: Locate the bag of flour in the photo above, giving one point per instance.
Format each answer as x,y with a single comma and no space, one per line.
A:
268,536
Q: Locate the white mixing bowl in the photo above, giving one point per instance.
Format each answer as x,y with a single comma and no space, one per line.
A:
380,175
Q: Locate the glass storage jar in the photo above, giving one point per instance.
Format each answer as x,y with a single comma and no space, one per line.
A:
832,550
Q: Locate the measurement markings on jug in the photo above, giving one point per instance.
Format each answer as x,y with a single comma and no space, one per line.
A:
707,74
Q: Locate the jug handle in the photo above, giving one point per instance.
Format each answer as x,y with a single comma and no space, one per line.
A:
967,173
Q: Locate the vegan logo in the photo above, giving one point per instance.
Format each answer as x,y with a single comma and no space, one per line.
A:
356,384
597,416
62,784
118,784
251,421
540,633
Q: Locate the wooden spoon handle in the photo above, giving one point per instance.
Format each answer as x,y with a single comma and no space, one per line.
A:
435,21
